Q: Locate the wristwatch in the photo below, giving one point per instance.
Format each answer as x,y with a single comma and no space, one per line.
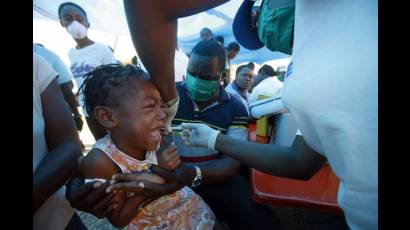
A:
198,177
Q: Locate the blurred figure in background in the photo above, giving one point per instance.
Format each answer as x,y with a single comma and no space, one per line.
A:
231,51
206,34
220,39
87,55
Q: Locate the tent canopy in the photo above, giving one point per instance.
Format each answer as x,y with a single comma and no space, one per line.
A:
108,16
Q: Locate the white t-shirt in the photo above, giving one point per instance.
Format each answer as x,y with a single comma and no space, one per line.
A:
64,74
331,92
56,212
87,59
268,87
181,64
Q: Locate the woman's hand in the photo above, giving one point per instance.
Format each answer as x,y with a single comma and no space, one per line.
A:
136,182
90,197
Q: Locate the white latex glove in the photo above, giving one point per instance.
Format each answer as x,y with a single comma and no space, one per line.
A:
200,135
170,109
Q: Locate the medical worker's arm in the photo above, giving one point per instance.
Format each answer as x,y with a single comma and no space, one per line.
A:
298,161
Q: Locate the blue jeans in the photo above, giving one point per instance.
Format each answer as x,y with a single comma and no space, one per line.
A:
75,223
232,203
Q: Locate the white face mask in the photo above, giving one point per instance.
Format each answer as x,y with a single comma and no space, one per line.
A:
77,30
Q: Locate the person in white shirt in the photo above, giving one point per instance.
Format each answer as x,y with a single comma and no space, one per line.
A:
267,83
87,55
332,95
330,91
264,72
232,51
206,34
181,63
64,79
56,148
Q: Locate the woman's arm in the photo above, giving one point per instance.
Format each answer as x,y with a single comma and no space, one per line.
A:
298,161
153,29
70,98
62,141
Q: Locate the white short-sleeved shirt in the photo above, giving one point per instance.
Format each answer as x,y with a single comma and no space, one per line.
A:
64,74
87,59
268,87
331,93
56,212
181,65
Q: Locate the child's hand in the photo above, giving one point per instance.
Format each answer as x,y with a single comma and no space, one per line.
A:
169,158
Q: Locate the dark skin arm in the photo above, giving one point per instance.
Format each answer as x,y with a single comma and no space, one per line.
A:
63,142
218,171
298,161
152,21
176,179
90,197
70,98
136,183
214,172
98,165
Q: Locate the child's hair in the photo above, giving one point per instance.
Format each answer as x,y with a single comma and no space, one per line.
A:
211,49
60,8
104,86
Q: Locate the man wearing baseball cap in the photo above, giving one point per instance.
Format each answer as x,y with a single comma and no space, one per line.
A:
272,25
330,91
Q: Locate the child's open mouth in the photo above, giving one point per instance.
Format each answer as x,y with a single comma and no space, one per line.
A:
155,135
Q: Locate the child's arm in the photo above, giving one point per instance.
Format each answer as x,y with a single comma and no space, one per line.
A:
98,165
128,208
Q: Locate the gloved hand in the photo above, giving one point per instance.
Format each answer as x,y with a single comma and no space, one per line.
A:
200,135
170,109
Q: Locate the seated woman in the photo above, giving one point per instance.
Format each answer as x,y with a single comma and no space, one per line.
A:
124,101
56,147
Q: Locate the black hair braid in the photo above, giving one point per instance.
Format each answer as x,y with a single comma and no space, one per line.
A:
101,85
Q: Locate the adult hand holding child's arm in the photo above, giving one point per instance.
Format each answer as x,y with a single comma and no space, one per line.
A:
138,184
90,197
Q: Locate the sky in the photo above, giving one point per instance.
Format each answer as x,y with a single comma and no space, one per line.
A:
108,25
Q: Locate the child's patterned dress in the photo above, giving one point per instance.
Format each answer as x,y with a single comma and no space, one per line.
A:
181,210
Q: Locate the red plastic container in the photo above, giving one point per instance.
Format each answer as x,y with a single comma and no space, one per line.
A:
320,192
